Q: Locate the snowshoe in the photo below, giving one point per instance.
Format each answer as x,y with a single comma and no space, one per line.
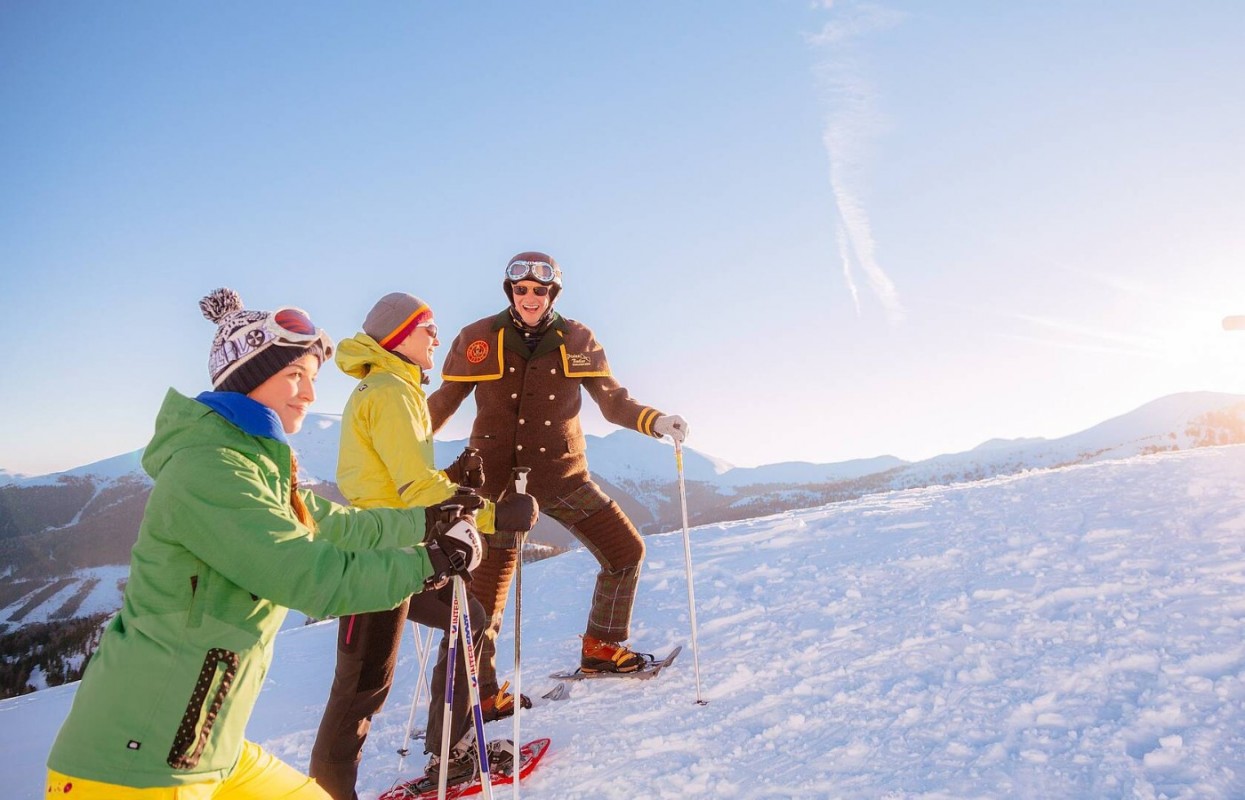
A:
599,656
464,765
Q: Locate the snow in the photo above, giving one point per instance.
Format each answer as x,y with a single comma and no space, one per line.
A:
1074,632
103,597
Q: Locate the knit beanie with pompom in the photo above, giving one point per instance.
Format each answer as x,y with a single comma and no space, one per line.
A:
252,346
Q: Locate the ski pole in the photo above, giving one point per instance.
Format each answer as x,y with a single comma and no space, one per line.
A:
687,557
473,690
451,668
423,648
520,487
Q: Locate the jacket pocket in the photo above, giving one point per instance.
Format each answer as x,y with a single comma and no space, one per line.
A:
198,597
220,667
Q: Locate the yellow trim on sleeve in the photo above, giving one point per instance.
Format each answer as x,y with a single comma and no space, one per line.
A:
645,423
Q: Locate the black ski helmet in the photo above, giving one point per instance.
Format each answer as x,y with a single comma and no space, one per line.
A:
530,265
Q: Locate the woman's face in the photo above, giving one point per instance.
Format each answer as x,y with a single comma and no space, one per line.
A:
531,306
419,345
290,392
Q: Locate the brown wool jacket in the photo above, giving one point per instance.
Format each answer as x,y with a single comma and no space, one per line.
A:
527,404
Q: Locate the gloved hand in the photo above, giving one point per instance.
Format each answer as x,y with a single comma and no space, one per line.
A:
517,513
442,516
671,425
467,470
455,551
469,500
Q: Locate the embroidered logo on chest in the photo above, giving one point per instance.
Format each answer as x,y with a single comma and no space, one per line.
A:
477,351
578,360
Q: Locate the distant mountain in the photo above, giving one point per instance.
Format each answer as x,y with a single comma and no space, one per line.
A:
8,477
61,533
1177,422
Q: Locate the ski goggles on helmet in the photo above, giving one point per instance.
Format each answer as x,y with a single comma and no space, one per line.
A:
541,271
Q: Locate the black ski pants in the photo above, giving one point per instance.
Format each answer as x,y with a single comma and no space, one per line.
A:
367,650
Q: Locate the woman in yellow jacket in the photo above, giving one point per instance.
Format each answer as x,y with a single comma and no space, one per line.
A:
386,461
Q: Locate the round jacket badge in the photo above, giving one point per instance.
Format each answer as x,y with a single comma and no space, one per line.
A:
477,351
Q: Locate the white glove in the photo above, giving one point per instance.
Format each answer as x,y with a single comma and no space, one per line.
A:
453,552
671,425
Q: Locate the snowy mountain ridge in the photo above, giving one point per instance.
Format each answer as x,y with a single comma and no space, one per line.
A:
1175,422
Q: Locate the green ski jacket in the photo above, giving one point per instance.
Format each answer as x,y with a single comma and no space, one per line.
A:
220,557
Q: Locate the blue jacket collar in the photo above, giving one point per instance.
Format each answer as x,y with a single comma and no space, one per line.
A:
251,416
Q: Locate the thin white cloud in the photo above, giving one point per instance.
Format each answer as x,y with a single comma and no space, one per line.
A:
1061,333
860,19
859,235
851,125
845,256
1085,332
1083,347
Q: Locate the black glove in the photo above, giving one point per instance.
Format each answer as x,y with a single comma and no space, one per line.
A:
455,551
468,469
516,513
468,501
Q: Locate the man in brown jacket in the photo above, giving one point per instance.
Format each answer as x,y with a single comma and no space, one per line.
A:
527,366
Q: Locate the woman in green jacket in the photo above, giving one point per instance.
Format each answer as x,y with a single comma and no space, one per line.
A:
227,544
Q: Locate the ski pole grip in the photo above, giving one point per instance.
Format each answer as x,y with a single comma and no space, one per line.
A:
451,513
520,478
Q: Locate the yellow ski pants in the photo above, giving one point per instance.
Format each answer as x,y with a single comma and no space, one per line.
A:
258,776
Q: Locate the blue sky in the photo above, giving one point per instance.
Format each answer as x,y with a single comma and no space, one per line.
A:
818,231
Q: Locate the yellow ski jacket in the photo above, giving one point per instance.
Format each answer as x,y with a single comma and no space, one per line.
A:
385,459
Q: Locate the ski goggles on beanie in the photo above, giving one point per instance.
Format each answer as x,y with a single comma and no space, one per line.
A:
252,346
541,271
285,327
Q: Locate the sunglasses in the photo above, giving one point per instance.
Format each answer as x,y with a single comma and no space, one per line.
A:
539,291
538,270
431,326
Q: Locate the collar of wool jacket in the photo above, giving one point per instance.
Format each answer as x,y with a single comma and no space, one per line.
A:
360,355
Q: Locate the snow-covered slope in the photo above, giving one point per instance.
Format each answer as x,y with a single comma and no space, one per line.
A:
1077,632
